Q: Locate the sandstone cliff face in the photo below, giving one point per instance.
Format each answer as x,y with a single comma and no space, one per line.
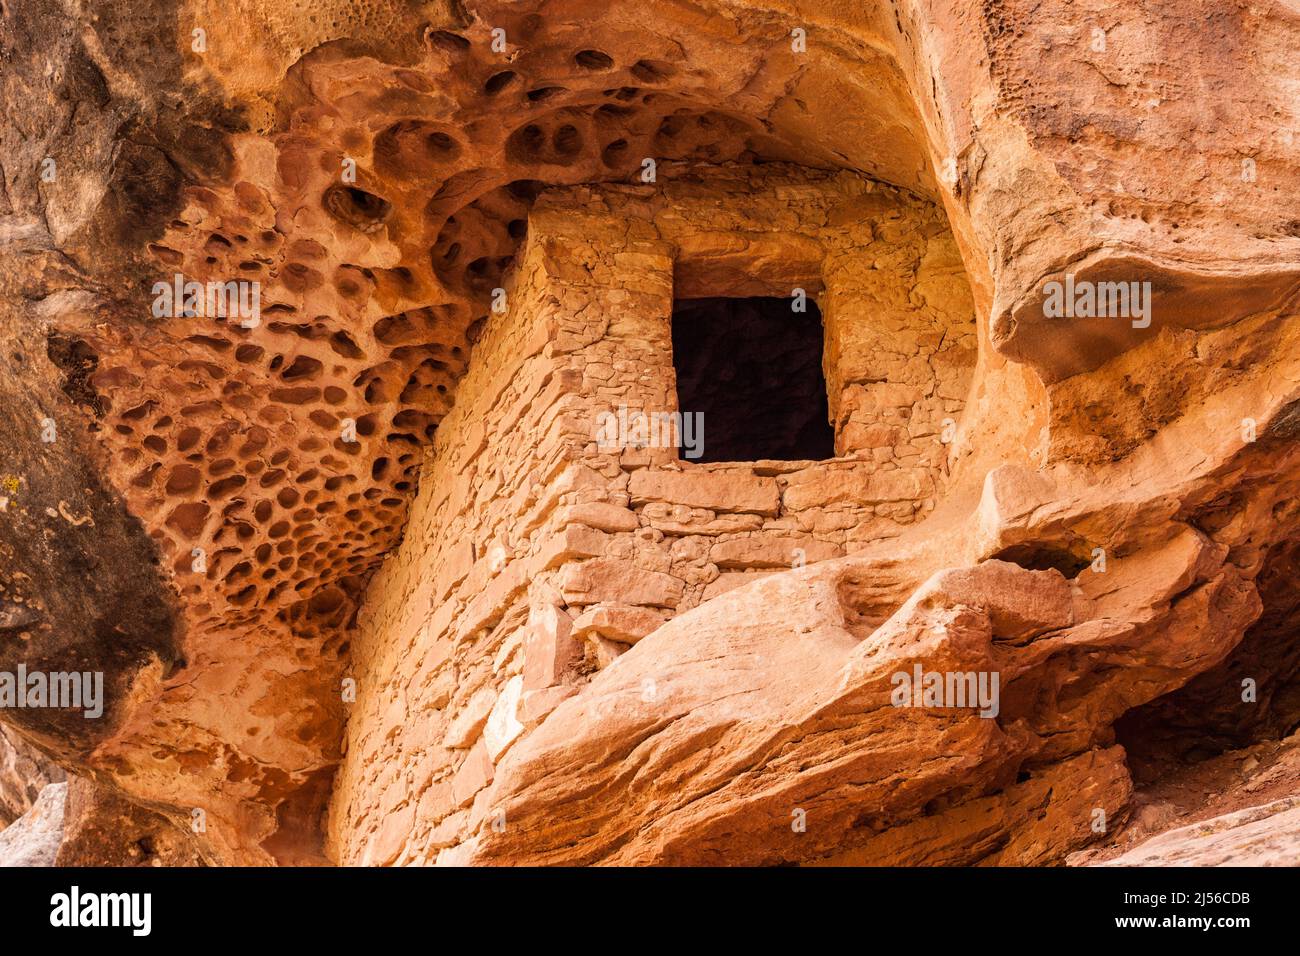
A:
365,587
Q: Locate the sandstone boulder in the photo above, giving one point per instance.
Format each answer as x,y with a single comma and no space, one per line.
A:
33,839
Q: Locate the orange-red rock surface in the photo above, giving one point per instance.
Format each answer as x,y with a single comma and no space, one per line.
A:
363,583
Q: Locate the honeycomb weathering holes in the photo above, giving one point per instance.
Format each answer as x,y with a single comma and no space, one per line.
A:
447,41
498,82
356,207
373,293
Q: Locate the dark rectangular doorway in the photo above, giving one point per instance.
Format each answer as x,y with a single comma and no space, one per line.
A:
753,367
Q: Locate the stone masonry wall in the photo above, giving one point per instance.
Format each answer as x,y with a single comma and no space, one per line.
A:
535,556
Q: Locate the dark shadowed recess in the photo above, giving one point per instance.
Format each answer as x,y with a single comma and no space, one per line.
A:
1218,710
753,368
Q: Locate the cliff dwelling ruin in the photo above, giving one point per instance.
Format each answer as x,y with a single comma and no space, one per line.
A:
541,433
